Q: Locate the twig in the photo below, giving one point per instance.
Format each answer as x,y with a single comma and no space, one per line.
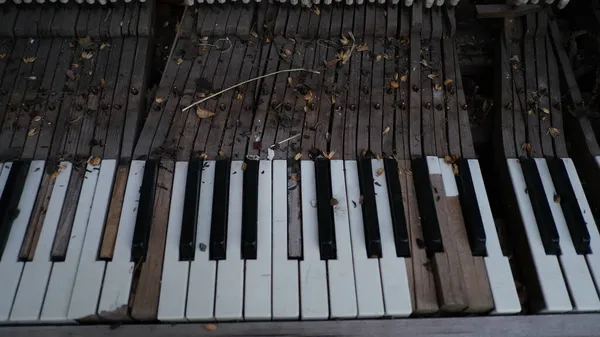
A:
247,81
286,140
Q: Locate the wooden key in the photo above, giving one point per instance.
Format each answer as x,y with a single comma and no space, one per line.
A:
111,227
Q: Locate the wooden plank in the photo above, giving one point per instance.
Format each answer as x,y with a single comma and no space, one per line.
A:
324,22
439,112
380,28
234,18
376,103
497,11
392,17
560,146
428,131
420,271
135,22
401,130
145,26
280,21
9,17
111,226
337,16
247,22
543,91
147,293
359,21
369,20
340,109
82,22
389,106
323,95
116,18
518,91
352,107
348,20
450,92
533,123
414,75
364,104
504,131
45,23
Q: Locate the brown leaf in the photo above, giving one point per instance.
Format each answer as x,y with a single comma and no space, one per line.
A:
210,327
102,83
526,147
432,76
71,75
287,52
2,56
362,47
94,161
316,10
308,97
530,112
546,111
333,99
448,159
159,100
404,77
32,78
37,118
86,55
330,155
29,59
515,58
437,87
75,65
554,132
394,84
298,156
344,40
204,156
85,42
32,132
294,177
455,169
557,198
377,156
448,82
244,166
424,63
104,45
386,130
379,171
333,202
179,61
239,96
378,58
203,113
290,81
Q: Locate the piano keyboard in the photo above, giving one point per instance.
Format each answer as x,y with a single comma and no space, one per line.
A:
226,253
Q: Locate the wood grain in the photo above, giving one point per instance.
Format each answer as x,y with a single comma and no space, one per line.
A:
428,134
111,226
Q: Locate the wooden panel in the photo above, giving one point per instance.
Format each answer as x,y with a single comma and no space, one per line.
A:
376,101
402,141
543,90
389,105
111,226
324,92
364,103
414,75
533,122
556,112
519,106
426,66
350,124
504,132
439,111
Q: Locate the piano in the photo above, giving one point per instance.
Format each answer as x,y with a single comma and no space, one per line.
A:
295,162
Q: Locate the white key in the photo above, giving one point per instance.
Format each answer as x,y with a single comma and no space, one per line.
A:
562,4
4,172
428,3
10,267
396,291
579,281
548,271
504,292
313,274
173,285
32,288
88,280
342,292
592,259
62,278
366,270
201,288
117,277
230,272
286,304
257,304
439,2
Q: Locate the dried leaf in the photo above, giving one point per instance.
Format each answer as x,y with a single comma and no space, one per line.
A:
94,161
379,171
29,59
203,113
316,10
344,40
432,76
104,45
333,99
530,112
71,75
386,130
308,97
330,155
448,159
203,156
298,156
270,153
32,132
2,56
448,82
244,166
85,42
75,65
210,327
159,100
290,81
378,58
287,52
86,55
37,118
294,177
437,87
394,84
546,111
455,169
554,132
179,61
32,78
221,154
333,202
424,63
526,147
102,83
239,96
404,78
557,198
362,47
58,170
515,58
377,156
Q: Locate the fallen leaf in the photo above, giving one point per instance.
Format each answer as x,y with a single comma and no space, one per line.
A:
344,40
557,198
298,156
386,130
86,55
70,74
394,84
448,82
455,169
404,78
330,155
203,113
104,45
179,61
32,132
102,83
210,327
316,10
379,171
287,52
29,59
2,56
85,42
239,96
37,118
515,58
396,76
333,202
526,147
554,132
308,97
75,65
94,161
448,159
270,153
530,112
437,87
377,156
378,58
362,47
290,81
32,78
58,170
546,111
244,166
159,100
333,99
204,156
221,153
294,177
432,76
424,63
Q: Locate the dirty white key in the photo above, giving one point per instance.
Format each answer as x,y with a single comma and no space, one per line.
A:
173,286
313,275
285,271
4,176
504,292
394,278
117,278
88,280
366,270
201,288
10,267
342,291
257,294
547,268
32,288
62,278
230,272
579,281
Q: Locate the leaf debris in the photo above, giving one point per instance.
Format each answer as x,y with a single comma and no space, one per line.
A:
203,113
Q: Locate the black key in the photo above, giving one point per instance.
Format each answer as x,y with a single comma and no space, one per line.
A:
470,209
429,220
189,223
369,208
570,206
218,225
325,205
250,209
397,207
9,201
143,219
541,208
